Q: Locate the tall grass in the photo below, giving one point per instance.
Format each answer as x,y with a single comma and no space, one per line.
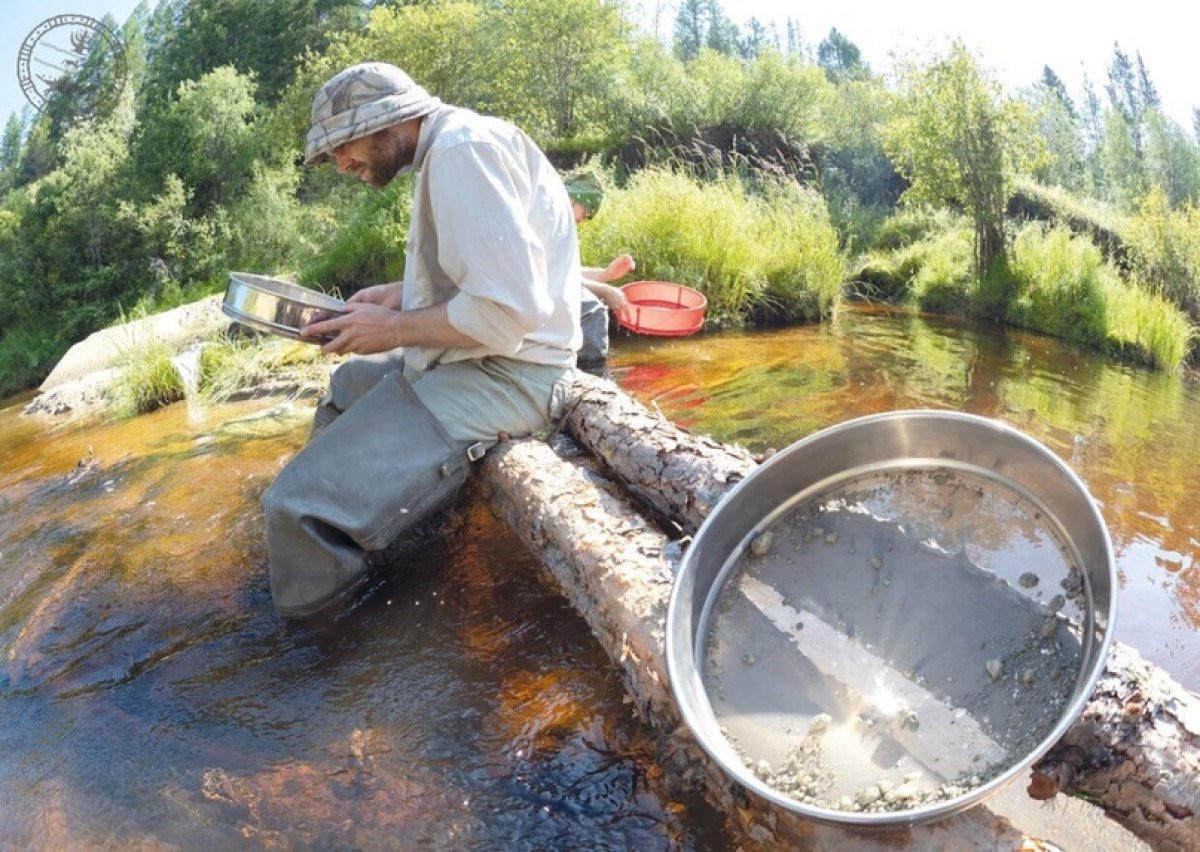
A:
923,259
760,256
146,378
1065,288
1054,282
1164,248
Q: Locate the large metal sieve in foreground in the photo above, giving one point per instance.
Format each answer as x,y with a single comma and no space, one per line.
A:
892,618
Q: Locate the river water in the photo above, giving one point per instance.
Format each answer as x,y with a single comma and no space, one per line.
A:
150,697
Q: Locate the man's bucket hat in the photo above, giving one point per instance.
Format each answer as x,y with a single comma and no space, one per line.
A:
359,101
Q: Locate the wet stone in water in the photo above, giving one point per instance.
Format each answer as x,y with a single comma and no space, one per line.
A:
1028,580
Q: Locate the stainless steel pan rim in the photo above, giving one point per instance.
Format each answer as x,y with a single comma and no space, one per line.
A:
276,306
900,439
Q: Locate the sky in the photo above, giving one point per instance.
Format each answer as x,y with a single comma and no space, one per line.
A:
1014,41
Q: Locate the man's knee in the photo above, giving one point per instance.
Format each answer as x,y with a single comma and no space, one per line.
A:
352,380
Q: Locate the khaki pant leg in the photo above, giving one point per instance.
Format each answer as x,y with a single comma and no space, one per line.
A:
477,400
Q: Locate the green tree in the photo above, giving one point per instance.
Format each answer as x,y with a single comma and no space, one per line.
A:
1125,95
1146,89
560,57
960,141
10,152
207,137
1053,85
841,59
1172,161
1056,125
265,38
1124,172
691,28
756,39
723,35
1091,123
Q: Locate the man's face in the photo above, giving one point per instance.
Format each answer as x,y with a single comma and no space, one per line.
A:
379,157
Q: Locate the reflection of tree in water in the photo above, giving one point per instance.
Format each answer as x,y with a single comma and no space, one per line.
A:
1129,433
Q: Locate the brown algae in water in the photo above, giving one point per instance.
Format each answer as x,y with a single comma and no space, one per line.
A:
892,695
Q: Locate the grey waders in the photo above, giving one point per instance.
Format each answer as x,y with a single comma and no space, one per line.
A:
355,488
386,454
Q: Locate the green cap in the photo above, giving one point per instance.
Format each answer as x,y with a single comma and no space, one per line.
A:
586,190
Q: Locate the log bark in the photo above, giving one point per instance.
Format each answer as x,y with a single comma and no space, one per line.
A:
1133,751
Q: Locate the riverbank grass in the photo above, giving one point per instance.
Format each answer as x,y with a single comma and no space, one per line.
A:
1053,282
761,254
146,378
230,367
1062,286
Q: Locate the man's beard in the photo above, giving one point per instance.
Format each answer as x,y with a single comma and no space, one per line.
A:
390,154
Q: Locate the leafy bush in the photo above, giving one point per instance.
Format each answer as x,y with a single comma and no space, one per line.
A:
924,259
1164,250
366,232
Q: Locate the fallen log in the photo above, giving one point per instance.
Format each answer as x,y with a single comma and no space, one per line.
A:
616,568
1133,751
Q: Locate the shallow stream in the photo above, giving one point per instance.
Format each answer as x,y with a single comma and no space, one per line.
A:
151,697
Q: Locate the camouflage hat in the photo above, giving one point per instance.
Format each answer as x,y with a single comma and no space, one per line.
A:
359,101
585,190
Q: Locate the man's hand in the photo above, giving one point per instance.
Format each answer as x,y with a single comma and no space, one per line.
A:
385,295
368,328
365,328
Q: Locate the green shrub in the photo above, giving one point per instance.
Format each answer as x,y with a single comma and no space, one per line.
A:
912,224
930,268
25,353
945,281
366,232
1164,250
763,256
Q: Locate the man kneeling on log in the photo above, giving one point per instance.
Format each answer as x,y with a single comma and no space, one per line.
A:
478,339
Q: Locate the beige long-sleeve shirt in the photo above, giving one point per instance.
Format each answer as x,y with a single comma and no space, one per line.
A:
492,237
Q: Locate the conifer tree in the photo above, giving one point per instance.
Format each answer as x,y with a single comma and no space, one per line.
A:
691,28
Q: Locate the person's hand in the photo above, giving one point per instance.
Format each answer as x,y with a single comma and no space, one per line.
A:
613,297
385,295
364,329
619,266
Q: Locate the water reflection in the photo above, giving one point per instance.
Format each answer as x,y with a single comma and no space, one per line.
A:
150,696
1130,434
